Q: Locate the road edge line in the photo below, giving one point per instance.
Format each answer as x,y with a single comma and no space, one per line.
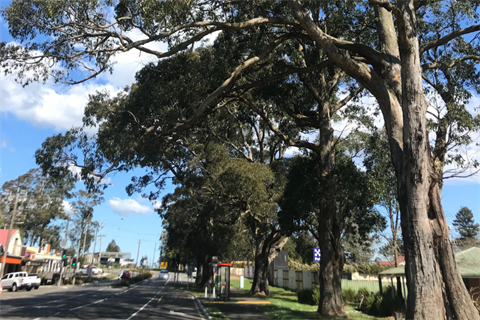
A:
199,305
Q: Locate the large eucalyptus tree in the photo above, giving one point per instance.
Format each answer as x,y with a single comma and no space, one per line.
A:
387,47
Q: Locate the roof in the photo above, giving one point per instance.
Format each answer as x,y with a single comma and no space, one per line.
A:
468,262
4,234
391,263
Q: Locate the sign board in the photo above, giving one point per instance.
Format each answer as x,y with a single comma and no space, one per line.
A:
316,255
58,253
163,265
63,244
214,260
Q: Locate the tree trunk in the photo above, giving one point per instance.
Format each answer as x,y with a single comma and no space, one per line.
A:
436,289
331,267
260,279
206,270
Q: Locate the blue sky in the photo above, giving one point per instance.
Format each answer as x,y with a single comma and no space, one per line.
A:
29,115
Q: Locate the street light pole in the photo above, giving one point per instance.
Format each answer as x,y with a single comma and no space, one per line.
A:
12,219
153,260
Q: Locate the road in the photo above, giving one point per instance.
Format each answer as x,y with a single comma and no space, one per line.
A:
150,299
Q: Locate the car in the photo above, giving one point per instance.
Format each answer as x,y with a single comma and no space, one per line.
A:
82,271
31,281
194,273
96,271
124,274
164,275
14,281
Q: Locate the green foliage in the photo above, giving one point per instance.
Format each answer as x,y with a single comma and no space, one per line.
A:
366,268
40,203
349,295
309,296
381,305
464,224
112,247
295,265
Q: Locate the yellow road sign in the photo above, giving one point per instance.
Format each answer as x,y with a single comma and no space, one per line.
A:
163,265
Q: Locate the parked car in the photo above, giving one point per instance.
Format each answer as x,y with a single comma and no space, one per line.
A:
124,274
82,271
96,270
14,281
164,275
32,281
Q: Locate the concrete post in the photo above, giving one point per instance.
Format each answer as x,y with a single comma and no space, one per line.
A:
206,292
241,282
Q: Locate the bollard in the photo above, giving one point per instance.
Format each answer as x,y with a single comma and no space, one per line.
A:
206,292
398,316
213,293
241,282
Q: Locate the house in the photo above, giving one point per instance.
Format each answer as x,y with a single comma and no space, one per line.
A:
401,262
13,261
468,262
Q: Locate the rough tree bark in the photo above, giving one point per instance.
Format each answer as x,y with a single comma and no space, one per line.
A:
260,280
436,290
331,266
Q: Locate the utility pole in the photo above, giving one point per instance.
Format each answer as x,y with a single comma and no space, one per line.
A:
100,249
12,219
95,242
138,252
66,246
153,261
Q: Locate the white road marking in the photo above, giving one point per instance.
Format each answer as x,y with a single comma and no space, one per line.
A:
37,319
146,304
86,305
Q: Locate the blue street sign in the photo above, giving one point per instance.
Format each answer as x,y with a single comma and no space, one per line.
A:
316,255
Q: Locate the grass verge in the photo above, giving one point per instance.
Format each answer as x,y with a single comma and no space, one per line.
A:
214,312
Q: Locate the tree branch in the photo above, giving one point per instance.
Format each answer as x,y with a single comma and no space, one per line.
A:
448,37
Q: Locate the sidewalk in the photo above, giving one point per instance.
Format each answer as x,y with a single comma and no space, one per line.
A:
240,306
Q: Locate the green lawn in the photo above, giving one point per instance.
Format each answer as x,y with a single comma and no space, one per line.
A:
285,305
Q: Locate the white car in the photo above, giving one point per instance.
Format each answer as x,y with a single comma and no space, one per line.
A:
20,280
96,271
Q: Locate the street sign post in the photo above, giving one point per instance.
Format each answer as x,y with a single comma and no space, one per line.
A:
316,255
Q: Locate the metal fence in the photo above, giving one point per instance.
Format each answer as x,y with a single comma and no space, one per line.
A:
354,285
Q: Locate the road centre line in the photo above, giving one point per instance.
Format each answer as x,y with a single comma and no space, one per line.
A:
146,304
86,305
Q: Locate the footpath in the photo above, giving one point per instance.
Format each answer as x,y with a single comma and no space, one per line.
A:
239,307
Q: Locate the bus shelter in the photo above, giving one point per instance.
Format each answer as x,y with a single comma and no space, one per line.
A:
222,282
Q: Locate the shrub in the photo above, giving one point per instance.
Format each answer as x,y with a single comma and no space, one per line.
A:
309,296
349,295
475,295
362,292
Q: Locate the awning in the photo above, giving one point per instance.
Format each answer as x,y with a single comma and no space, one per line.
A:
11,259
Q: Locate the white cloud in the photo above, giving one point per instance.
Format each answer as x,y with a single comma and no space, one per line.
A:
125,207
4,143
67,208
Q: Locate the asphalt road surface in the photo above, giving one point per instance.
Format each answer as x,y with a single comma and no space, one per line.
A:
150,299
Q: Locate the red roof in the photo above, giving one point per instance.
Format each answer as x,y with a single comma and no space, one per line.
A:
391,263
4,234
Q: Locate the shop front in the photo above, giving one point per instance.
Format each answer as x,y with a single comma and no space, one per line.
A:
13,263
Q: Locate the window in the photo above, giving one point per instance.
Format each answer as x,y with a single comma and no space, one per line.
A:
18,275
11,276
5,276
164,271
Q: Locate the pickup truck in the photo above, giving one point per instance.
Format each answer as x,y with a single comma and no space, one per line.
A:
31,281
20,280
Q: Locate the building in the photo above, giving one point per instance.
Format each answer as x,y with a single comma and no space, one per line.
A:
14,260
401,262
41,260
468,262
121,258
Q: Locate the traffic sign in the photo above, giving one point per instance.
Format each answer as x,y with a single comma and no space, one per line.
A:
63,244
163,265
316,255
